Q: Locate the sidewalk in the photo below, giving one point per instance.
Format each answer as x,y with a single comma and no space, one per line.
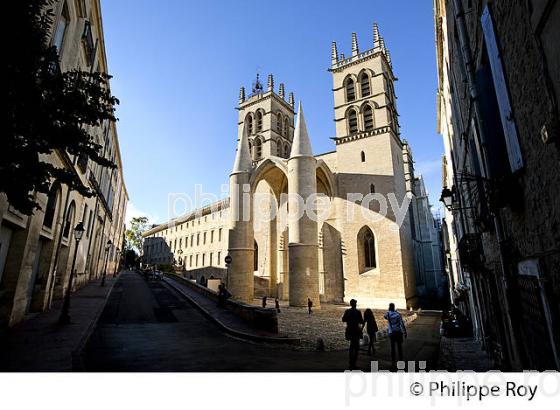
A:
41,344
226,319
463,353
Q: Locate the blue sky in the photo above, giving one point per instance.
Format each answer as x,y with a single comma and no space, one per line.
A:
178,66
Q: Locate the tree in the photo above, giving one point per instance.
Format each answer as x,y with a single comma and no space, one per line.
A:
49,111
138,226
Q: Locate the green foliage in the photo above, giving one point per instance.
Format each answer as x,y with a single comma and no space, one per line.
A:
48,110
133,235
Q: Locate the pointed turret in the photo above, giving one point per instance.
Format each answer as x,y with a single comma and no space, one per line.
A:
342,57
291,100
388,55
243,161
355,49
334,53
281,92
382,43
241,95
375,35
270,84
301,146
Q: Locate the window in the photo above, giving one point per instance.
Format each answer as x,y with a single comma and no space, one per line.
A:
204,238
286,151
258,148
61,27
197,239
256,257
352,121
279,148
203,259
196,261
279,123
372,189
69,220
363,156
211,259
212,236
364,85
218,261
259,120
286,126
366,250
249,124
51,206
220,235
190,261
350,90
368,118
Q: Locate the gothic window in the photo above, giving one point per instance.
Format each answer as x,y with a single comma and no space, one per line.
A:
350,90
286,126
279,123
259,120
69,220
366,250
372,189
286,151
279,148
364,85
368,117
258,148
363,156
51,206
352,121
249,124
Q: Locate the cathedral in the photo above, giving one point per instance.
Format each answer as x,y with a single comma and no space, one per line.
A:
361,247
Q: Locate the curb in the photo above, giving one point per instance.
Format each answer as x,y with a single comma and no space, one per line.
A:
77,359
229,330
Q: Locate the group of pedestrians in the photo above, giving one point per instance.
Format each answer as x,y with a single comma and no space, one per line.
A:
355,325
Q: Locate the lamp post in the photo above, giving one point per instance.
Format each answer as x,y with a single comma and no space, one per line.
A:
447,198
107,248
65,313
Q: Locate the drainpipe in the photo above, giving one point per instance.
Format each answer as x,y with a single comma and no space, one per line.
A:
467,58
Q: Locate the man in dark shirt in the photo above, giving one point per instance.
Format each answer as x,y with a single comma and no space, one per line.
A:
354,327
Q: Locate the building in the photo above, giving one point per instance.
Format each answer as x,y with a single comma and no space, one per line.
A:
36,251
431,280
499,85
361,247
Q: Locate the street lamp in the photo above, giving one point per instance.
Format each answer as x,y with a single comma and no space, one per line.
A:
65,313
107,248
447,198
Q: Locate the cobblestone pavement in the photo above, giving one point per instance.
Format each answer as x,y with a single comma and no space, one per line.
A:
462,353
325,323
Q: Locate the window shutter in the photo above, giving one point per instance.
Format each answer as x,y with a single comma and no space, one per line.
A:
506,115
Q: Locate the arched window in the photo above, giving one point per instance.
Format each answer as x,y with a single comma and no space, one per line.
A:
364,85
69,220
258,148
350,90
363,156
279,123
50,210
352,121
372,189
259,120
279,150
256,257
249,124
286,126
368,118
366,250
286,151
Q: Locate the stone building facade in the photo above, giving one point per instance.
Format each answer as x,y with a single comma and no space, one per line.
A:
36,251
498,113
361,247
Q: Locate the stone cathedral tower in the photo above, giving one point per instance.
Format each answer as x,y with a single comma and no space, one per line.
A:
269,120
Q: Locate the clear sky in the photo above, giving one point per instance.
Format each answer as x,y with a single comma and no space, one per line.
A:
178,66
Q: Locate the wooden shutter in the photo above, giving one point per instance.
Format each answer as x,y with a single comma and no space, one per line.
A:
506,115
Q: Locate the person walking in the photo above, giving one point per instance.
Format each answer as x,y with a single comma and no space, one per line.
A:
264,301
309,305
371,329
277,305
396,330
354,328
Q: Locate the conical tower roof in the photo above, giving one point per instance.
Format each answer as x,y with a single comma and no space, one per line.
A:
243,162
301,146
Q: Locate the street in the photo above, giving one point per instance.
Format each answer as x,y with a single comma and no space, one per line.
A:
147,326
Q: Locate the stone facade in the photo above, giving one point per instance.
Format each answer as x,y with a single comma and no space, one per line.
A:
36,251
499,88
356,250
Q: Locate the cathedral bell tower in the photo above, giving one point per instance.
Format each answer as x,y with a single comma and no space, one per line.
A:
268,119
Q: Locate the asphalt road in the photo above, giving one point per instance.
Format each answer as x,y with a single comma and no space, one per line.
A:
147,326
